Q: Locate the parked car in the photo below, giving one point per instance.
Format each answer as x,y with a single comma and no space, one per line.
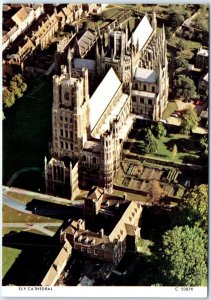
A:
179,113
199,102
164,121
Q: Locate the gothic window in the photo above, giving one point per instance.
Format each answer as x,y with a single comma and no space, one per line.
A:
61,118
66,146
66,133
71,146
71,120
62,144
61,132
141,111
65,119
134,99
84,158
95,251
153,89
145,87
149,101
136,85
94,160
141,100
71,134
66,96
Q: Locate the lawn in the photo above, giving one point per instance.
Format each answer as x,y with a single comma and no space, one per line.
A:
187,148
26,134
9,256
10,215
171,107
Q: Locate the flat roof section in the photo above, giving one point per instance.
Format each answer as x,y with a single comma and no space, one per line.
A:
145,75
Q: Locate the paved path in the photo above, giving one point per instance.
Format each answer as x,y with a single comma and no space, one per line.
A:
37,226
13,203
40,196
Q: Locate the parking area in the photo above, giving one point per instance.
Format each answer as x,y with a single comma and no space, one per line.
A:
175,118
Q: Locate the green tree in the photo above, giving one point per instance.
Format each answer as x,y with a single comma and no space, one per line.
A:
204,147
151,144
189,120
160,130
181,44
175,19
174,151
8,97
185,87
181,62
194,206
185,256
201,23
17,86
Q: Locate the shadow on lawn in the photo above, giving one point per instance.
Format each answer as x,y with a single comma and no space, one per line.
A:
183,145
54,210
38,253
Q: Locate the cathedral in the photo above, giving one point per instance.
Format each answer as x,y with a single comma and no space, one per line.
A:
90,128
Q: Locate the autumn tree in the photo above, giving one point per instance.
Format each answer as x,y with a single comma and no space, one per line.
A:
189,120
156,192
17,86
151,144
174,151
185,256
8,97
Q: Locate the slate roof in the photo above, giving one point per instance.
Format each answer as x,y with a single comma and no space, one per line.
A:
103,96
80,63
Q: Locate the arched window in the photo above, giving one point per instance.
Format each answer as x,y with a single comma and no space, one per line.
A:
94,160
84,158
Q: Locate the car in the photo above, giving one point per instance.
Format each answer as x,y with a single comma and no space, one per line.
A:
164,121
178,112
174,115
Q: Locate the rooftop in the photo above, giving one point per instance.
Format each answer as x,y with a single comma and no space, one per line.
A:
203,52
142,33
103,96
146,75
80,63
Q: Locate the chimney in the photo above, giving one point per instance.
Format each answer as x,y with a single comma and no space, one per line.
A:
125,196
101,232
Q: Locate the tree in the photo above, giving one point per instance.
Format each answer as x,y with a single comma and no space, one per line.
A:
181,44
204,145
160,130
181,62
156,192
189,120
195,206
174,151
151,142
201,23
175,20
185,256
17,86
8,97
185,87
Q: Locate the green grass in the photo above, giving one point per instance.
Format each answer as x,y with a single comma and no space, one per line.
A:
171,107
10,215
187,148
26,133
9,256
